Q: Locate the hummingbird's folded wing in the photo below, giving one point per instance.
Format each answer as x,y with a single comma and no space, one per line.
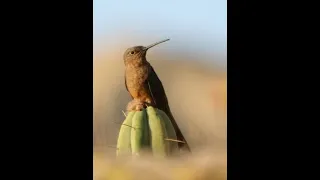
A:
160,99
156,90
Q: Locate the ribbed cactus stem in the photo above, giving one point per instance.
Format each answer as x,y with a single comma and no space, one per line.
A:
149,129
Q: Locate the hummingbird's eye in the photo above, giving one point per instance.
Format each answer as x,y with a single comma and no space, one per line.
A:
132,52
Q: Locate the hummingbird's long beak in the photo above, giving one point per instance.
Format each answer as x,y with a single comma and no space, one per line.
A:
150,46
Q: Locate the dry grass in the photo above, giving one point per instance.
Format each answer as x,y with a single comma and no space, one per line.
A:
201,166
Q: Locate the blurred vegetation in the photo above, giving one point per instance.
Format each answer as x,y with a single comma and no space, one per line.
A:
199,167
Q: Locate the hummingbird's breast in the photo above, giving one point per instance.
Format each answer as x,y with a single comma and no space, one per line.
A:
135,79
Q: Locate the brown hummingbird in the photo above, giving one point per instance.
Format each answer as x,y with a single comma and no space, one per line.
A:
145,87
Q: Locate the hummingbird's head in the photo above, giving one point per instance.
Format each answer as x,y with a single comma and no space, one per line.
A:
137,54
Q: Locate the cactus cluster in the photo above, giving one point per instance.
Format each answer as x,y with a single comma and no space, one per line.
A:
149,130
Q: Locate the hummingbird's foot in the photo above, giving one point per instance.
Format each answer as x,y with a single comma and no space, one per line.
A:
148,103
135,105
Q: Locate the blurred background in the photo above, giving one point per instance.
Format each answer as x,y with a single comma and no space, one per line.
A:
192,67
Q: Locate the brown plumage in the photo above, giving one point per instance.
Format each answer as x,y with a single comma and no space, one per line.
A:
145,87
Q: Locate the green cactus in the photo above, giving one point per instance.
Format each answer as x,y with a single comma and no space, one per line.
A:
149,130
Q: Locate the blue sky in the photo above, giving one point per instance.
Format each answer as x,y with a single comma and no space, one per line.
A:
200,24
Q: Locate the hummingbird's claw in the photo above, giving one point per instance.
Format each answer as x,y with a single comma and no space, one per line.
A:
135,105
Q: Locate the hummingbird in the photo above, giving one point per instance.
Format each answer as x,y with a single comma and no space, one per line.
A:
145,87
